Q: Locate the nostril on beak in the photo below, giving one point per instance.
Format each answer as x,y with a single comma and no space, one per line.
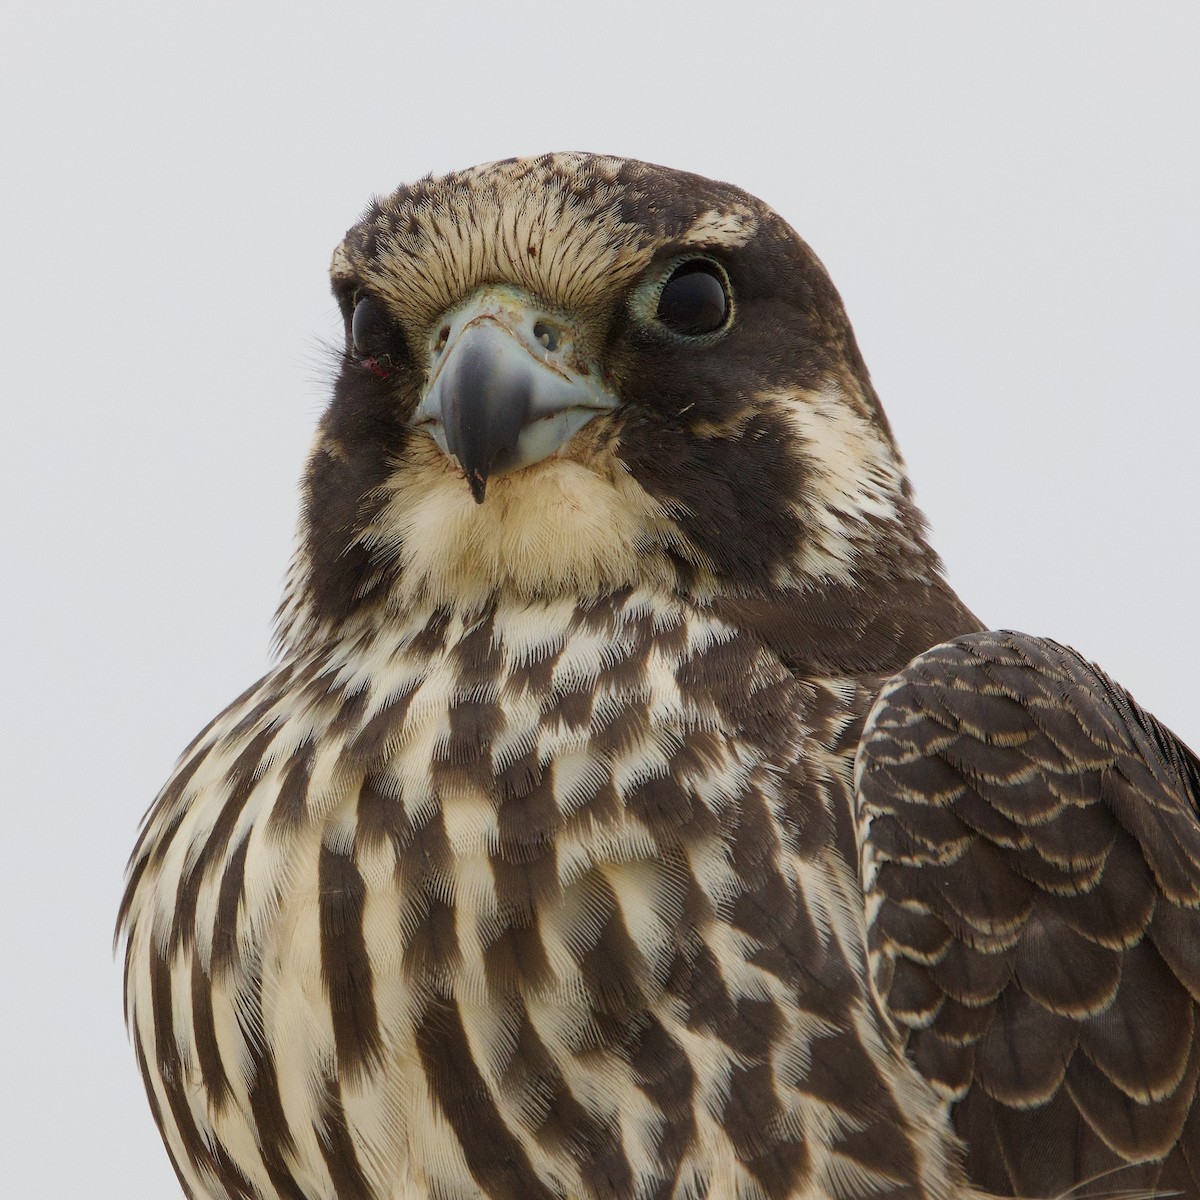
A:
547,335
442,339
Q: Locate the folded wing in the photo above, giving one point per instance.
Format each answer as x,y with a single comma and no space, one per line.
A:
1031,857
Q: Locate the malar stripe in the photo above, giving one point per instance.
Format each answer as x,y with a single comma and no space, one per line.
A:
496,1159
345,964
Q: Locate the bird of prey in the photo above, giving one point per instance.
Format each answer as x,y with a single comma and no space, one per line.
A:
634,812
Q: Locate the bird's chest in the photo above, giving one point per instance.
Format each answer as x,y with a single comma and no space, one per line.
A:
547,803
507,903
571,875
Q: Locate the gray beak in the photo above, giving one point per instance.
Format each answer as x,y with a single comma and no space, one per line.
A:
506,386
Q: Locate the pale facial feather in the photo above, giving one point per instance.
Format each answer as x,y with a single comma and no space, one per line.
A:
556,528
562,527
853,475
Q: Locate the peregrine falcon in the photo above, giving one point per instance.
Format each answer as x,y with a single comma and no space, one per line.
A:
634,812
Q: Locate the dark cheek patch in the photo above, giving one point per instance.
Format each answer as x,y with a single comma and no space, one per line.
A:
732,496
363,434
338,566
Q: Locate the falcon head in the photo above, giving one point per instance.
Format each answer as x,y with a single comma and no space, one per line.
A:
574,374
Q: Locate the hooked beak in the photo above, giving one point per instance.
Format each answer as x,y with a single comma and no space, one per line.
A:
506,386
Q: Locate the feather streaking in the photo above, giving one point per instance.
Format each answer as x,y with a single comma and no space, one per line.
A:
661,827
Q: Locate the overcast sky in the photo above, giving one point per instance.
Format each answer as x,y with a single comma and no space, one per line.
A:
1006,195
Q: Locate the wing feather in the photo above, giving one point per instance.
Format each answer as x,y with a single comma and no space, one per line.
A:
1031,852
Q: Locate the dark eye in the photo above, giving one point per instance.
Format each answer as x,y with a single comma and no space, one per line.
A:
371,328
695,299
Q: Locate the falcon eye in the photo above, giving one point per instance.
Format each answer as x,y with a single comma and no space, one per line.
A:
371,328
695,299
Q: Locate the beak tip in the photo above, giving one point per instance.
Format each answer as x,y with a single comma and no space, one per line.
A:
478,484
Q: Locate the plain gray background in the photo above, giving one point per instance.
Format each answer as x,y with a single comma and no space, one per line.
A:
1006,195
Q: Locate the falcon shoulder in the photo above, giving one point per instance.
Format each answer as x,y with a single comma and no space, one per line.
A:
1031,861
